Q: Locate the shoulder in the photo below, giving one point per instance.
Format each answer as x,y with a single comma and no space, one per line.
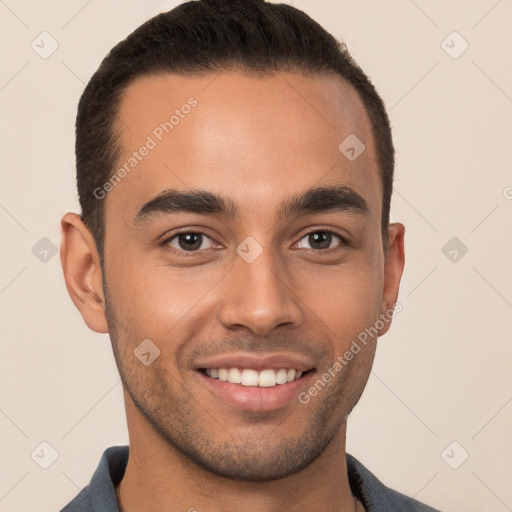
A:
100,494
375,495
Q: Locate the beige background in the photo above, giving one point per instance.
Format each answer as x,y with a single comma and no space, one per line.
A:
442,373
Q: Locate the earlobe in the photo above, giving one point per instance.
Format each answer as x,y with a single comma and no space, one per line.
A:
82,271
393,268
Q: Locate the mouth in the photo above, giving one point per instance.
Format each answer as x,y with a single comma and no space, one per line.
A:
255,390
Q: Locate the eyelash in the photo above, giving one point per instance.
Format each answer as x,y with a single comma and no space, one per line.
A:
188,254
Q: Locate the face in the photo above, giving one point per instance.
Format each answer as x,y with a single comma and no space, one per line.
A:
269,268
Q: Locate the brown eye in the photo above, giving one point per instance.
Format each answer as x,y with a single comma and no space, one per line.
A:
188,241
321,240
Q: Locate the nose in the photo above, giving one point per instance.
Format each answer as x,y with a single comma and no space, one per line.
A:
259,296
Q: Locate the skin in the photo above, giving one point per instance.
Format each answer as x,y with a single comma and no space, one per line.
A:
278,135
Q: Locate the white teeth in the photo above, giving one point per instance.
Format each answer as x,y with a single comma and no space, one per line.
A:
235,376
282,376
249,377
267,378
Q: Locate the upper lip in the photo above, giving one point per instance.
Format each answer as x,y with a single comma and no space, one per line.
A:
256,361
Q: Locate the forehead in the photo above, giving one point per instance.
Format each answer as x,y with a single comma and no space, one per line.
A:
254,138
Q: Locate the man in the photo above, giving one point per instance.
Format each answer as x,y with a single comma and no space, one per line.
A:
234,169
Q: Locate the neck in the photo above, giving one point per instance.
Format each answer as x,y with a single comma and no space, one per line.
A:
158,477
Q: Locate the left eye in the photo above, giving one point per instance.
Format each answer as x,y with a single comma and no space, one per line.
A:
188,241
320,239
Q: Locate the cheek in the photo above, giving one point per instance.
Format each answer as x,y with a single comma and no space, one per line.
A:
347,299
165,303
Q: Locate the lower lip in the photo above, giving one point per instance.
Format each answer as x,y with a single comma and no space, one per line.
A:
254,398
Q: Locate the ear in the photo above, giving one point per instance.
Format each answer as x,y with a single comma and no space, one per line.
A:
394,261
82,271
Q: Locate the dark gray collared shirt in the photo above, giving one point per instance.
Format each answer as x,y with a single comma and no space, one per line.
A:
100,495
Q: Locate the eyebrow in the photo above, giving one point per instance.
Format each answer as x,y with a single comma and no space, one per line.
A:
315,200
